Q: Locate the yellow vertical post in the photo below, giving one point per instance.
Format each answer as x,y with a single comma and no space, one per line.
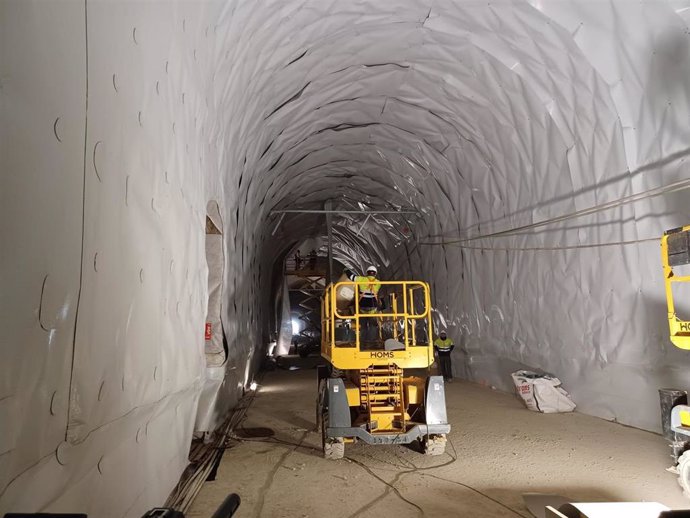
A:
405,330
330,327
413,322
394,308
668,275
331,313
427,304
357,328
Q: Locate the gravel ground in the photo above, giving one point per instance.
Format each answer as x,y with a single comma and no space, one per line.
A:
497,451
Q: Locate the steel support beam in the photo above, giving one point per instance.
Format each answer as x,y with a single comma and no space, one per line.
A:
337,211
328,207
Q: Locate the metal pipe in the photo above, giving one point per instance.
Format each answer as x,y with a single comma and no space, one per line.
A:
363,224
336,211
282,216
329,226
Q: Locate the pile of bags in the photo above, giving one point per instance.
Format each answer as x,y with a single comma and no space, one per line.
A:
542,392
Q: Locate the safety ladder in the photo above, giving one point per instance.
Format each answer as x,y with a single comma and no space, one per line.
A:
381,393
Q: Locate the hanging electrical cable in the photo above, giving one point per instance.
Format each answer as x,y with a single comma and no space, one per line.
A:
652,193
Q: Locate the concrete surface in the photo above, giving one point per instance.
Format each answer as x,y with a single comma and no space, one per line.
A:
498,450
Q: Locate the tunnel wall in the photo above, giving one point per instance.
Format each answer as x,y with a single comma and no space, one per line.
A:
542,151
107,172
539,146
500,124
42,137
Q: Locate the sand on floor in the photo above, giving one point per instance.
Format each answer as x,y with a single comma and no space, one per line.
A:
497,451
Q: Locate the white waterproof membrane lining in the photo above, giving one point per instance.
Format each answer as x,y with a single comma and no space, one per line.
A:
538,149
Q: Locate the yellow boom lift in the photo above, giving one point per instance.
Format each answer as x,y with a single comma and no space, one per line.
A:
675,252
367,391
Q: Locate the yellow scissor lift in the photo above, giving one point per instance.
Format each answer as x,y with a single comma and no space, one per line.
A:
364,391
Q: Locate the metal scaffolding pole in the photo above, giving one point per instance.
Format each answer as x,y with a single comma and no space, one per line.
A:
337,211
328,206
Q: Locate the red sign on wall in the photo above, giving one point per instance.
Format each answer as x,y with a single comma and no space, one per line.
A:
208,331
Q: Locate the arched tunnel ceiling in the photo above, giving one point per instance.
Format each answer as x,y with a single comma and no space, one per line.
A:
542,145
517,118
471,112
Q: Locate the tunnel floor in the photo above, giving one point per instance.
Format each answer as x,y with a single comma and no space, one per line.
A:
497,451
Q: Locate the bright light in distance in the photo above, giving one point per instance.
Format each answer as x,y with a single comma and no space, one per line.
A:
295,327
253,385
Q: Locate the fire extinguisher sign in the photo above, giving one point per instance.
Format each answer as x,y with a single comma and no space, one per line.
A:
207,333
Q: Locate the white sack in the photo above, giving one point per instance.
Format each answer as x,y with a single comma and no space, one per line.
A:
542,393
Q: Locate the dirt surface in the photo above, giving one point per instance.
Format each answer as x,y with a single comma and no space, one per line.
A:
497,451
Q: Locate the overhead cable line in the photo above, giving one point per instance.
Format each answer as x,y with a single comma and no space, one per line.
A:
652,193
553,248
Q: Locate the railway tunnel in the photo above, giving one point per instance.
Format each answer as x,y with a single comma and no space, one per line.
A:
161,161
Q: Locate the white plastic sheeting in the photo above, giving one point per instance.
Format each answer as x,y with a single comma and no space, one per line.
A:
208,417
104,193
120,121
213,332
284,318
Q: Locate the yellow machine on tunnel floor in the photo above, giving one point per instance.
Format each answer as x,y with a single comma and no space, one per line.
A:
366,391
675,253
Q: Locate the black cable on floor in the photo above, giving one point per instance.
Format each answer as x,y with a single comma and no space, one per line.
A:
415,469
412,470
395,489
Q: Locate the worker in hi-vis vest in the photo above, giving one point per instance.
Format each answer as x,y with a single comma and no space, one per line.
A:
368,288
368,291
443,347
